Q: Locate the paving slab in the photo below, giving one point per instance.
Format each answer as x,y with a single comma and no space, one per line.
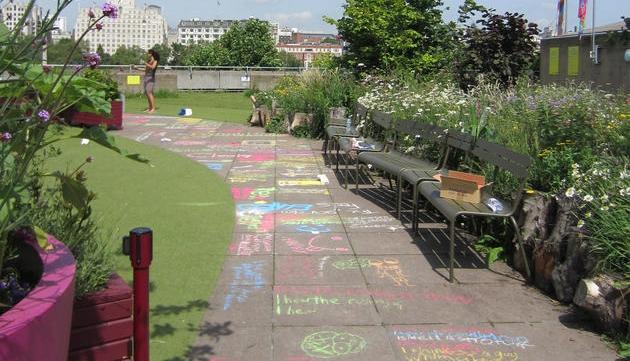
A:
323,305
316,270
251,244
391,243
312,244
243,305
398,270
250,270
328,342
227,342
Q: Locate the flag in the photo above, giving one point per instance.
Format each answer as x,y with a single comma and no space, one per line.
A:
560,25
582,15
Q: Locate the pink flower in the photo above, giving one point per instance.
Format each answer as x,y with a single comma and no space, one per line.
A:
43,115
46,68
99,26
110,10
5,137
91,14
93,59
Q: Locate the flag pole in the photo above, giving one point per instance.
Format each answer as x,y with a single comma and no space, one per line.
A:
595,55
566,15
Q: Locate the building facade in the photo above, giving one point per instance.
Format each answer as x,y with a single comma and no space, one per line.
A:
195,31
13,11
307,53
143,27
570,58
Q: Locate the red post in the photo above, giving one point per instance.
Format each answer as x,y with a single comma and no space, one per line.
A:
139,247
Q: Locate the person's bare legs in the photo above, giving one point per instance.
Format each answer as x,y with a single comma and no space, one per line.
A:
151,99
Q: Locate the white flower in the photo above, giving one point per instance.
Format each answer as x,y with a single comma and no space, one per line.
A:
604,208
588,215
570,192
85,141
604,198
580,224
624,175
588,198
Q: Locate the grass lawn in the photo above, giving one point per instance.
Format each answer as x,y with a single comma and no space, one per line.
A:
221,106
192,215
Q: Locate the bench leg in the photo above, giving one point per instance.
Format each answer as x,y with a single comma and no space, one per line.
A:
399,199
451,251
356,173
519,238
415,212
337,160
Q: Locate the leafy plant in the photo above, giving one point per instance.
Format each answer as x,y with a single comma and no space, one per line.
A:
277,125
110,85
32,97
501,48
491,248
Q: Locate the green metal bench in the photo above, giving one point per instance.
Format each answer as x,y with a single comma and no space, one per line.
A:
503,159
394,162
336,128
381,122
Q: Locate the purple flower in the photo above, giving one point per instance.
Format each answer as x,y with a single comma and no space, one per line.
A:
78,67
5,137
99,26
91,14
43,115
46,68
92,58
110,10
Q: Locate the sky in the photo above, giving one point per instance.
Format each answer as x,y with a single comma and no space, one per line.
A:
307,14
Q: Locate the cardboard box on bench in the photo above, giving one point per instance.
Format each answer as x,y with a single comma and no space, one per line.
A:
461,186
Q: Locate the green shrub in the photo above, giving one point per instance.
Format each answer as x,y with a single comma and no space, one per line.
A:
315,92
277,125
103,77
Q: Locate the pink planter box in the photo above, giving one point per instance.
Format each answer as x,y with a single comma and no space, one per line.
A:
102,324
114,121
38,327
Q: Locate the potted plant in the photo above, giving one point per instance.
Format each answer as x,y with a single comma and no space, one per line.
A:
37,271
112,119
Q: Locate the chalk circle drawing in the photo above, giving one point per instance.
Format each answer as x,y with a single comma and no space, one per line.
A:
332,344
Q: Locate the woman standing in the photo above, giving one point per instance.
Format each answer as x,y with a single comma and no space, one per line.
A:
153,58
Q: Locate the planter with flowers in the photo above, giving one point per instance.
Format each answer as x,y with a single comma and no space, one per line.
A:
37,272
113,120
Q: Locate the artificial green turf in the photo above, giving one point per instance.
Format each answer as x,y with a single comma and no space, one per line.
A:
223,106
191,213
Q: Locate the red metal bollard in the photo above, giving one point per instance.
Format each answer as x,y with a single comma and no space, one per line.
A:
139,247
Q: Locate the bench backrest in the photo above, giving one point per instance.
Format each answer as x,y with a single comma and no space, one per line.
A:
361,111
382,119
503,158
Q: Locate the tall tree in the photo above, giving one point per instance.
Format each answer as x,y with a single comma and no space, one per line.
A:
128,55
59,51
178,54
106,59
396,34
250,44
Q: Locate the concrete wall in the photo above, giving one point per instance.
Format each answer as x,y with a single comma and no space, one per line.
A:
612,74
183,79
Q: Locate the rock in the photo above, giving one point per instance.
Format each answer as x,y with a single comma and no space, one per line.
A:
602,301
301,119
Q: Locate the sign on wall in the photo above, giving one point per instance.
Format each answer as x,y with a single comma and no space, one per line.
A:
133,79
